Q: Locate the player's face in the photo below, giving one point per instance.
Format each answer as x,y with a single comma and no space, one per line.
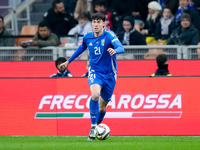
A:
98,25
183,3
126,25
44,32
185,23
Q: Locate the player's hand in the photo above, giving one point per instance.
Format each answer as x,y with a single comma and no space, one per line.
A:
64,65
111,51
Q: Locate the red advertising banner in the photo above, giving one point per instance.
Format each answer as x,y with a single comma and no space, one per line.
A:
139,106
78,68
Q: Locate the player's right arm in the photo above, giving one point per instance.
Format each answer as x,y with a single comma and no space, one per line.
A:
79,50
65,64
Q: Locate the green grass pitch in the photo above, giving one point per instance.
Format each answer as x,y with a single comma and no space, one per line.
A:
112,143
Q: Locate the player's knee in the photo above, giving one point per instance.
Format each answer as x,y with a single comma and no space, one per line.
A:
101,109
95,96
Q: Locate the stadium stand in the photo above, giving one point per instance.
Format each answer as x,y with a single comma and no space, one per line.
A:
38,10
26,30
39,7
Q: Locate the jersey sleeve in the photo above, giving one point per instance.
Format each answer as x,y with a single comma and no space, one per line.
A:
115,42
79,50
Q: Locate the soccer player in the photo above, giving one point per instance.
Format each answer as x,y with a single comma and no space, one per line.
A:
103,45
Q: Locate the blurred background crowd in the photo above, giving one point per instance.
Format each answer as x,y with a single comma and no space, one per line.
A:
135,22
64,22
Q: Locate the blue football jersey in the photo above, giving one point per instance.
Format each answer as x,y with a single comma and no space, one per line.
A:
100,60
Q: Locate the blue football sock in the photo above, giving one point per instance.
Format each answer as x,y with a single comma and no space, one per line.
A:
100,116
94,108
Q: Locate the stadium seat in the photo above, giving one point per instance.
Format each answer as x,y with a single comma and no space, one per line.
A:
26,30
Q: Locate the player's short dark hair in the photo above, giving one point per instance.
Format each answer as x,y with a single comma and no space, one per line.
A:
55,2
1,17
99,16
43,24
60,60
100,3
161,59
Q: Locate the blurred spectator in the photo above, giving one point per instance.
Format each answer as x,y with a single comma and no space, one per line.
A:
112,19
140,10
130,36
123,8
197,8
5,41
185,34
62,72
172,5
59,20
43,38
184,8
196,2
165,26
197,5
162,3
70,5
108,3
162,63
191,4
84,25
83,6
152,21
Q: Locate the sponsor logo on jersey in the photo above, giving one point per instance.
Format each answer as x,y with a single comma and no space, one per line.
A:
90,44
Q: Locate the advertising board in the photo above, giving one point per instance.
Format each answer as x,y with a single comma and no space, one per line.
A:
139,106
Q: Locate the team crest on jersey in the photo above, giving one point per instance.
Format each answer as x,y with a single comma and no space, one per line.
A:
102,42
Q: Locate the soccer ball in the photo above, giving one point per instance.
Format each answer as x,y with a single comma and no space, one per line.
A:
103,131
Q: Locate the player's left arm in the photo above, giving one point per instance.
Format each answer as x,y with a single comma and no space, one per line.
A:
117,46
